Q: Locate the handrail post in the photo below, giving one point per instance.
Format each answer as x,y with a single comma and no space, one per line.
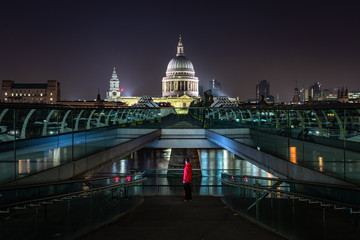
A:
36,223
68,219
324,225
91,211
293,217
257,205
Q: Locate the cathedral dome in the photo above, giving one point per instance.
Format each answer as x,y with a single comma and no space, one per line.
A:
180,77
180,63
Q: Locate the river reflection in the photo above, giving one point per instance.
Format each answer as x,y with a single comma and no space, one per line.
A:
155,162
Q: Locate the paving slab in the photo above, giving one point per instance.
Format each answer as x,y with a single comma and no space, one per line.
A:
172,218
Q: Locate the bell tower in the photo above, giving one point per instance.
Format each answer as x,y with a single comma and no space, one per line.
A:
114,92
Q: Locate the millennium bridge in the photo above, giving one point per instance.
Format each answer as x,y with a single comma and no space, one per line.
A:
285,161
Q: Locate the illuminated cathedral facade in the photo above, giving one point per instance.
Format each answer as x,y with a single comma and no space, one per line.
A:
180,86
180,76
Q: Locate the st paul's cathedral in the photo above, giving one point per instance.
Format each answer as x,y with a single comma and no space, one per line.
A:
180,86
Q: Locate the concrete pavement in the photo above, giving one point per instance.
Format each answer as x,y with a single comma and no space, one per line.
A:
171,218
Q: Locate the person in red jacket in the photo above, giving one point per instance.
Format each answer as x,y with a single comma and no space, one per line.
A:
187,180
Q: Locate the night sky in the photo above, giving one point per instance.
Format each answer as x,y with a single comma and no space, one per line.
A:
238,43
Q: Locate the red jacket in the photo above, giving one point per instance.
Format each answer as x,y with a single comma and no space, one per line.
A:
187,173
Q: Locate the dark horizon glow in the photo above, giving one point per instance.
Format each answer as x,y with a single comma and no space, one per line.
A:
239,43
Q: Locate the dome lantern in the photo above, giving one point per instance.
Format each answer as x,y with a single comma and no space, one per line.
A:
180,48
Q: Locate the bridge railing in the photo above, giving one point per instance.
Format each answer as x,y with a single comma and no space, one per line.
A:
281,208
36,138
345,195
13,195
295,210
68,214
23,122
323,138
309,136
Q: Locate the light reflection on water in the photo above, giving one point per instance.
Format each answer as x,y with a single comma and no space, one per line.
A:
212,162
24,166
215,161
38,161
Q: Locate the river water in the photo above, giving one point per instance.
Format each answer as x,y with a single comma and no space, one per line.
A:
155,164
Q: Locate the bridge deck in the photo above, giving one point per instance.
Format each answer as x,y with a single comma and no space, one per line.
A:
171,218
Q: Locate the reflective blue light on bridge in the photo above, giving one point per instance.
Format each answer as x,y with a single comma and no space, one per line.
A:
324,139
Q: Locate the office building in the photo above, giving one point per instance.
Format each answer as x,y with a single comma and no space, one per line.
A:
42,93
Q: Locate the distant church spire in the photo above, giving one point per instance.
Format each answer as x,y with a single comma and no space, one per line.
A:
114,92
98,98
114,76
180,48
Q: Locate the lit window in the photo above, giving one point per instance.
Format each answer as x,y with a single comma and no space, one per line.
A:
51,94
5,93
40,99
12,94
5,99
16,94
20,94
51,99
29,94
41,94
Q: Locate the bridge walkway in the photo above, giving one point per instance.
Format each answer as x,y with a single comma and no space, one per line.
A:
168,217
179,121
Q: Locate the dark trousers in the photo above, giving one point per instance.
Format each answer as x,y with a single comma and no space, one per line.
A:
187,189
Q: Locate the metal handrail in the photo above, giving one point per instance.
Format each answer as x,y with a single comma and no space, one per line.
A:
298,196
346,187
24,186
61,197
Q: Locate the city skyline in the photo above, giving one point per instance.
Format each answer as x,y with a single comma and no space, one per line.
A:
237,43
